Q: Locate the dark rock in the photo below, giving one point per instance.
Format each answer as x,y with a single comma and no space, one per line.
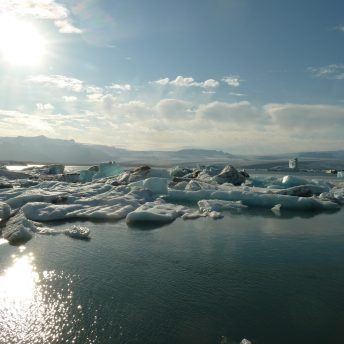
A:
229,174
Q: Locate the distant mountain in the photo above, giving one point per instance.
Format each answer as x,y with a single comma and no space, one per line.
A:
43,149
323,155
46,150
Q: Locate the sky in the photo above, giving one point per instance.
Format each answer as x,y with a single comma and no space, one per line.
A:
243,76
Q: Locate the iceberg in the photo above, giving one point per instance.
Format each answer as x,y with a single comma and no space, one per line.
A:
148,195
154,184
86,176
157,211
108,169
18,229
253,199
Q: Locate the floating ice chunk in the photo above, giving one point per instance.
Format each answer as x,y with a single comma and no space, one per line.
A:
141,173
115,209
37,195
108,203
304,190
155,184
290,181
86,176
340,174
108,169
335,195
229,174
252,199
157,211
193,186
276,209
215,215
70,177
187,196
261,200
13,174
41,229
4,184
193,215
180,185
179,171
53,169
5,211
219,205
245,341
78,232
18,229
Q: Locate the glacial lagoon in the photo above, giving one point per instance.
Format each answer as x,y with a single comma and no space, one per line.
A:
266,276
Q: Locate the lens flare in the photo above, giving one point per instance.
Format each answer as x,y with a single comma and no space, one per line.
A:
20,42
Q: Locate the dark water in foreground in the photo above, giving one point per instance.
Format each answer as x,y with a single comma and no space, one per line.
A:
254,276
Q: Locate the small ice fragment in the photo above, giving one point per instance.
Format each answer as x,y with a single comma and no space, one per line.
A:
194,215
277,209
78,232
215,215
245,341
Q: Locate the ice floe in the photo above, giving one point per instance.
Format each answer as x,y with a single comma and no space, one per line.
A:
146,195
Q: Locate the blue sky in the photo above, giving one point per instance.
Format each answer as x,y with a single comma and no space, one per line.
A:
244,76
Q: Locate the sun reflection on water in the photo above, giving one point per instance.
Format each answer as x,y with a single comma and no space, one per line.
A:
37,307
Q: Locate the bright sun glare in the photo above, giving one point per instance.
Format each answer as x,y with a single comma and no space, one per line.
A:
20,42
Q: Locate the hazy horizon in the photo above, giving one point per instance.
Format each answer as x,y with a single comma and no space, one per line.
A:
232,75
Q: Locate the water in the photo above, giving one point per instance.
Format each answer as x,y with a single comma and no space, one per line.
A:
257,276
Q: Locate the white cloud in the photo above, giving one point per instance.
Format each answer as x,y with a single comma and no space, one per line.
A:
65,26
181,81
236,94
41,106
162,82
120,87
174,108
41,9
64,82
231,113
332,71
69,99
232,80
95,97
59,81
306,118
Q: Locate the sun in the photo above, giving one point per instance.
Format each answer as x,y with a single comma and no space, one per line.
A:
20,42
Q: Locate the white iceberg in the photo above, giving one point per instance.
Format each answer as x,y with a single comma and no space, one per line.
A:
157,211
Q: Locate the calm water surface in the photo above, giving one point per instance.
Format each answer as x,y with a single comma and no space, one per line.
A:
254,275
